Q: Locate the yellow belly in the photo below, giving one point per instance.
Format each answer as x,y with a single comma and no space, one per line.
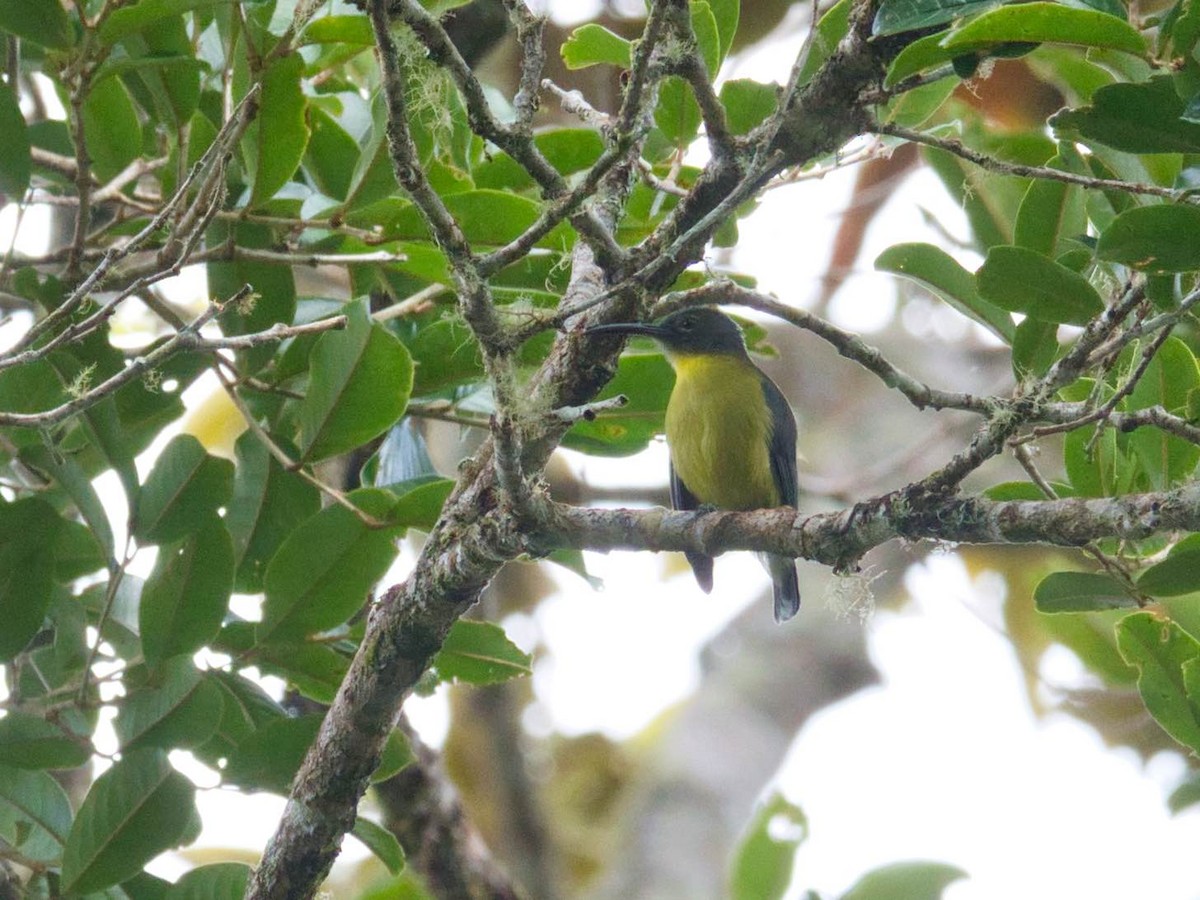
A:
718,429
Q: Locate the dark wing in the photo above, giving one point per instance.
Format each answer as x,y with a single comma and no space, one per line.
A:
783,442
783,471
682,498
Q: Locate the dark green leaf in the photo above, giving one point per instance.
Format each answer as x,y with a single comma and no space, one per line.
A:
1021,280
590,45
1050,211
1136,118
1160,650
331,155
1178,574
276,140
420,507
182,492
1062,592
747,103
216,881
274,288
397,753
764,859
134,17
70,477
28,534
324,571
646,379
15,161
245,708
677,115
268,758
1035,344
134,811
446,355
381,842
897,16
938,272
726,14
708,38
111,128
314,669
36,804
360,382
1185,796
479,653
1159,238
910,880
181,709
268,503
185,597
1168,382
43,22
923,53
30,742
1050,23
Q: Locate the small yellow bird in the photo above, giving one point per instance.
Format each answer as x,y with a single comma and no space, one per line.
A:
731,433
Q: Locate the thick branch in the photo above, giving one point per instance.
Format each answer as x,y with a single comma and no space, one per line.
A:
839,539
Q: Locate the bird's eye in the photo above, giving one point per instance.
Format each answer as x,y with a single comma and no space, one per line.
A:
686,323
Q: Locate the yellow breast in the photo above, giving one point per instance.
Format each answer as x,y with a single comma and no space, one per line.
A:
718,429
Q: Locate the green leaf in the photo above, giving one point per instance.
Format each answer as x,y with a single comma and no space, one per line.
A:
647,380
269,758
111,128
569,150
30,742
1050,211
486,217
274,288
29,531
216,881
1049,23
592,45
479,653
938,272
316,670
677,115
245,708
1160,650
708,38
38,807
1021,280
420,507
726,14
1158,238
446,355
897,16
381,842
359,385
1062,592
43,22
1178,574
182,492
1168,381
747,103
1136,118
134,17
268,503
276,140
331,155
185,597
1186,795
15,161
339,30
910,880
182,709
924,53
70,476
764,858
324,571
134,811
397,754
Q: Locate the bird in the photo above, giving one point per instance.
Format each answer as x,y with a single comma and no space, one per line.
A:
730,431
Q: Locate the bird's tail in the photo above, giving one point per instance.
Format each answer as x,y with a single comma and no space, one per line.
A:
702,566
786,584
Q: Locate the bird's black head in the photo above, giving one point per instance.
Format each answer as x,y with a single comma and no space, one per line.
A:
696,330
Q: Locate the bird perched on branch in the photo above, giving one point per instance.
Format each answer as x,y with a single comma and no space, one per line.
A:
730,430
